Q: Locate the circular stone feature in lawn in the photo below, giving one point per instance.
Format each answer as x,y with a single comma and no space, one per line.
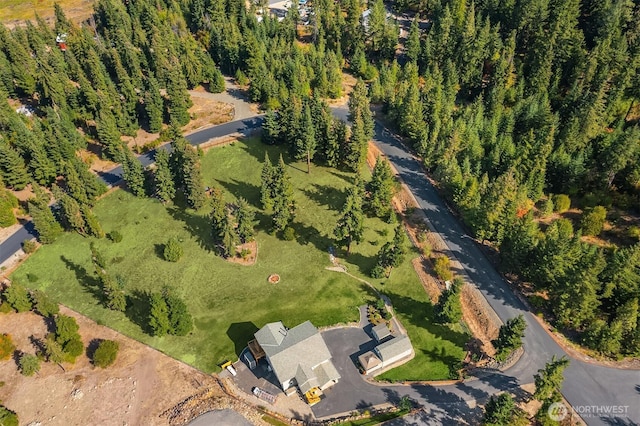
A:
274,278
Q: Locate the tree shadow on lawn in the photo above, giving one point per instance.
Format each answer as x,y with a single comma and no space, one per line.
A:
240,334
86,280
248,191
257,149
138,310
348,177
364,263
199,226
309,234
421,315
326,195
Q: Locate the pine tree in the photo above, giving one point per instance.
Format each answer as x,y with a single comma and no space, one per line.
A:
93,226
359,107
509,337
69,211
158,315
109,136
163,184
12,168
381,189
283,203
218,214
180,320
549,379
153,105
45,223
245,216
267,188
305,143
412,45
179,99
228,236
270,128
356,149
133,174
449,307
350,226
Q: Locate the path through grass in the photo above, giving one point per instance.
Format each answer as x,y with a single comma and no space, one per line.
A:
230,301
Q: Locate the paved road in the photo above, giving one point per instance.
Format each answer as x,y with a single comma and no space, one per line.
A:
226,417
243,127
585,385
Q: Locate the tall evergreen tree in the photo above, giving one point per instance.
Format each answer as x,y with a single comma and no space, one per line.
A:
350,226
133,174
283,204
12,168
164,187
381,189
268,183
245,217
45,223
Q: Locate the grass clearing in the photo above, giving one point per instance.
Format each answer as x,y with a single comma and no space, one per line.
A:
23,10
230,301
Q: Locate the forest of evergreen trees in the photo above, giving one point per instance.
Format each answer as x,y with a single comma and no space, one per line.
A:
511,104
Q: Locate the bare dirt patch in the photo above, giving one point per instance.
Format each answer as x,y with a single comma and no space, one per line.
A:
207,112
141,385
249,258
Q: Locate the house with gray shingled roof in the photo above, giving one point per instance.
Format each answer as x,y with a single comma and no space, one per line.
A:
298,356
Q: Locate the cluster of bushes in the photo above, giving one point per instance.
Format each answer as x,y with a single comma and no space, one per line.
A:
64,344
169,314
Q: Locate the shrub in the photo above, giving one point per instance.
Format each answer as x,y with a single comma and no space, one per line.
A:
441,268
43,304
561,203
114,236
29,364
74,348
244,253
593,220
509,337
547,207
377,272
289,234
18,297
29,246
32,277
6,346
172,250
634,232
8,417
106,353
5,308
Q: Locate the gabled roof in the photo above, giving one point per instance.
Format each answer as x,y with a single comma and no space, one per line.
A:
394,347
271,334
380,331
306,379
326,372
300,346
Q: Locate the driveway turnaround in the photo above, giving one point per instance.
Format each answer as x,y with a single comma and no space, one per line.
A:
226,417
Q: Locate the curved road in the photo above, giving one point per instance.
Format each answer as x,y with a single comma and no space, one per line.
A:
586,387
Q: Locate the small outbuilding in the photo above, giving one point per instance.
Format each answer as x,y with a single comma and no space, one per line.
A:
380,332
393,350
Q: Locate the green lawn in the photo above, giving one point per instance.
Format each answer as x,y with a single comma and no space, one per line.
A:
229,301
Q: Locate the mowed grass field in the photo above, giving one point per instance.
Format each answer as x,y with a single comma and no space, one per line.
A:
23,10
229,302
